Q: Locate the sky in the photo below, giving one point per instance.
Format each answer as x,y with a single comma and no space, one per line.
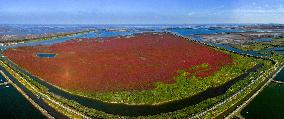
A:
140,11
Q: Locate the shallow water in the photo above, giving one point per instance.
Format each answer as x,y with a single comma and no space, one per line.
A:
278,50
25,29
100,33
280,76
54,40
263,40
189,32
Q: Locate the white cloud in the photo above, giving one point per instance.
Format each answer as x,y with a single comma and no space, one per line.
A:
191,13
252,13
216,8
259,14
206,12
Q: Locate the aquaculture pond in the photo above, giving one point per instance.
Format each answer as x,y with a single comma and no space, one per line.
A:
13,105
198,31
36,29
263,40
105,33
277,50
193,34
226,46
280,76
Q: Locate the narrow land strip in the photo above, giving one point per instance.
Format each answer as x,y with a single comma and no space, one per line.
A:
279,82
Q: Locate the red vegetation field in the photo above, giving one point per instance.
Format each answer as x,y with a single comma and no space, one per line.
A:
117,63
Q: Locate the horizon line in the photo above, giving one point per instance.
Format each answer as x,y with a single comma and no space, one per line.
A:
137,24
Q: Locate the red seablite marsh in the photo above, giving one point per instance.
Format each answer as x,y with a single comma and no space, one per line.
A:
117,63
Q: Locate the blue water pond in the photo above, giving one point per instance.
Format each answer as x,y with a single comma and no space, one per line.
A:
46,55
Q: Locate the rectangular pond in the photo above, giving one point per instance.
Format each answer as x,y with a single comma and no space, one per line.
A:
46,55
